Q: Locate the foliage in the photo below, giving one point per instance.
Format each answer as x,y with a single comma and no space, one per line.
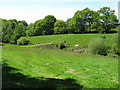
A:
83,20
49,24
9,32
115,51
23,41
1,44
63,45
99,46
88,20
12,30
70,26
107,19
42,27
30,30
20,30
60,27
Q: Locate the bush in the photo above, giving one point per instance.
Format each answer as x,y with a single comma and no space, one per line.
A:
115,51
1,44
63,45
99,46
23,41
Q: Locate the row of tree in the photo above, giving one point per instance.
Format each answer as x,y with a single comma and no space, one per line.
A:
86,20
12,30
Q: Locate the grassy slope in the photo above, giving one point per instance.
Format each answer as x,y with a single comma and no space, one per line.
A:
81,39
89,71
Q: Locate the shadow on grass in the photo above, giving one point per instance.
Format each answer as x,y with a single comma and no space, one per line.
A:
18,80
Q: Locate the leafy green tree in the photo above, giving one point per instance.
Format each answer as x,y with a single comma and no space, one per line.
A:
13,23
48,24
95,25
90,18
14,38
12,30
8,27
107,19
23,22
70,25
8,34
60,27
35,29
4,28
39,27
79,22
20,30
30,30
83,20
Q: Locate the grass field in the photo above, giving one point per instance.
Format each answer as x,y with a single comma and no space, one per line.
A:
72,39
35,68
26,66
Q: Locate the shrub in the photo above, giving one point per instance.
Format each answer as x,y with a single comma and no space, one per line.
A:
99,46
23,41
115,51
63,45
1,44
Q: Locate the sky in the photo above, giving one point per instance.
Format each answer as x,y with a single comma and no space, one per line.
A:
33,10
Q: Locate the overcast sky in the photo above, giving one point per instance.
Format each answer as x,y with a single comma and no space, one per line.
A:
33,10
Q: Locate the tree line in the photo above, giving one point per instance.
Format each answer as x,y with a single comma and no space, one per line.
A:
84,21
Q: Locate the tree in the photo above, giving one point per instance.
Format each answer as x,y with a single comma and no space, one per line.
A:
13,23
23,22
30,30
83,20
20,30
70,25
48,24
95,25
4,28
38,30
60,27
8,27
79,22
107,18
12,30
8,34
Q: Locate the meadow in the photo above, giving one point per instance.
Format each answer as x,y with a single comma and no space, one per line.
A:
31,67
72,39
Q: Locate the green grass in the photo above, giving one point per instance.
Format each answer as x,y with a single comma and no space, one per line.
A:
30,67
72,39
34,67
15,45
